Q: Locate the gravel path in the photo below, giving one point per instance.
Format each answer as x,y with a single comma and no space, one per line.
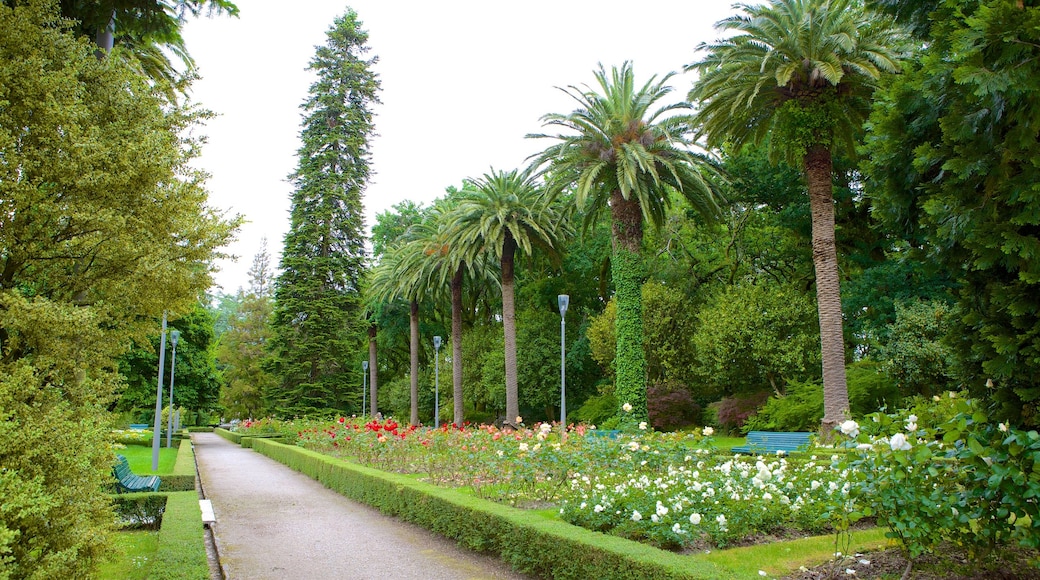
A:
273,523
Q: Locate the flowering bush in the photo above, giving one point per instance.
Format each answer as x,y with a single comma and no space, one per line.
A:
964,480
703,498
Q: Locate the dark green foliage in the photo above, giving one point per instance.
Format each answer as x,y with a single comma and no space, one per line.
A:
531,543
952,166
870,389
196,384
319,325
916,356
597,409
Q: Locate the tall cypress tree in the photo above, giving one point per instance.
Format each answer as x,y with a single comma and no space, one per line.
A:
318,323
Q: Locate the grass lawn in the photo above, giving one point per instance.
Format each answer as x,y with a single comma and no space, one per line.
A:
782,558
140,458
135,552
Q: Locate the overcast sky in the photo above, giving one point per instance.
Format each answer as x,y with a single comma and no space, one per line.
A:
462,84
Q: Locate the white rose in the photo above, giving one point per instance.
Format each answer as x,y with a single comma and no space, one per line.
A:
850,428
708,431
695,519
636,516
626,408
899,442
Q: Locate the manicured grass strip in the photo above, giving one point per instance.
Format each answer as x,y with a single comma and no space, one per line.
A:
135,554
529,542
140,459
784,558
182,545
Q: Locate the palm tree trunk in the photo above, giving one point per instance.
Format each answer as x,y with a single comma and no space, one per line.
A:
456,344
627,272
373,373
414,348
509,327
828,291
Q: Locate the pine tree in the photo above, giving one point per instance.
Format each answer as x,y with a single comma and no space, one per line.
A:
318,323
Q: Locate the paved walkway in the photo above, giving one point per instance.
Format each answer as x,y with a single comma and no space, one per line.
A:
273,523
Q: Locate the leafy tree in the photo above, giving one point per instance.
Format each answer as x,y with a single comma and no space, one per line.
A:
150,30
801,72
506,212
952,166
103,225
619,153
243,347
318,322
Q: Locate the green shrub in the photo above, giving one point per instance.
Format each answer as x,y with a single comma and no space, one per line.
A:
965,480
596,410
870,389
800,408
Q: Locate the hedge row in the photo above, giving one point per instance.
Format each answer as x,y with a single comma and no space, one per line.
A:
246,440
182,545
183,476
530,542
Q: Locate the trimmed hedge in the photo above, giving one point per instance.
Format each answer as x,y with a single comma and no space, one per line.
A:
183,476
245,440
140,510
530,542
182,545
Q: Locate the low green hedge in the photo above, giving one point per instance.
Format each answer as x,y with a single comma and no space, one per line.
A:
231,436
139,510
245,440
182,545
183,476
528,541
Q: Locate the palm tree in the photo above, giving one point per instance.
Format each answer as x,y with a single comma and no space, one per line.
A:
801,72
621,153
500,213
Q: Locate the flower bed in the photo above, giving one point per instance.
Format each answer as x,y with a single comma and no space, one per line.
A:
670,490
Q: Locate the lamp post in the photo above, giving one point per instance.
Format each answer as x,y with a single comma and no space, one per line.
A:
174,335
564,300
436,382
158,397
364,385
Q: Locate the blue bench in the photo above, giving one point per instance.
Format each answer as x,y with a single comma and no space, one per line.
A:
126,480
769,442
141,426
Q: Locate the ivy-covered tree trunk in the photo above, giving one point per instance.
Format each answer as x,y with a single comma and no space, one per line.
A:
828,295
318,321
509,327
456,344
413,322
627,273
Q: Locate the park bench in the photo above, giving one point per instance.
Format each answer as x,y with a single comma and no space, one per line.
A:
139,426
126,480
769,442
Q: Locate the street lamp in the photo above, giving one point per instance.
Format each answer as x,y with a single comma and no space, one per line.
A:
564,301
174,335
364,385
436,382
158,397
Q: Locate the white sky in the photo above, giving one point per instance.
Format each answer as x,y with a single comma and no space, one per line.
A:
462,83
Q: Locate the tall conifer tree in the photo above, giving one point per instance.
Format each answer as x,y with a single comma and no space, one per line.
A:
318,323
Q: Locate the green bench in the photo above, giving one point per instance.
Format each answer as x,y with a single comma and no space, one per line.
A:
769,442
127,481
